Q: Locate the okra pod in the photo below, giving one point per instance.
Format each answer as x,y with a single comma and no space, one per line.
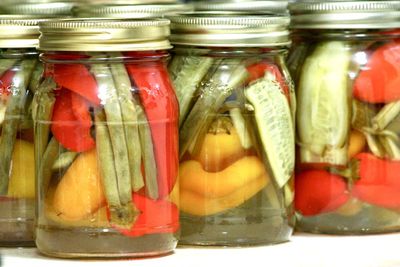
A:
36,77
129,115
386,115
11,120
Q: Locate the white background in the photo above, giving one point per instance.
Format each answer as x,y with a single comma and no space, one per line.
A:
303,250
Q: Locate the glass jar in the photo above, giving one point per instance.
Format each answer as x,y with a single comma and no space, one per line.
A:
106,140
123,11
236,128
346,67
20,73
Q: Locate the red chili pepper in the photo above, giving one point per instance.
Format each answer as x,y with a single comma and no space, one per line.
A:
378,182
318,191
379,80
77,78
156,217
6,82
258,70
161,108
71,130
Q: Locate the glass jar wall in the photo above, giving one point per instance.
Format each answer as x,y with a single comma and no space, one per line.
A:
236,133
106,141
347,118
20,73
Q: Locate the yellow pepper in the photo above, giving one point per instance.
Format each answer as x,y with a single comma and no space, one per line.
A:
219,184
199,205
221,146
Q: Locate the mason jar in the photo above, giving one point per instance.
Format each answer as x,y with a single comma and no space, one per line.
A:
346,68
236,128
275,7
123,11
106,140
20,73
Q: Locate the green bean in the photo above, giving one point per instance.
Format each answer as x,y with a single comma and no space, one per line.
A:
121,214
46,163
150,166
228,76
11,120
42,110
6,64
36,77
123,86
115,124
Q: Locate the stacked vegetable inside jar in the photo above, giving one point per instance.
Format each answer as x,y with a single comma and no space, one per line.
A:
346,66
20,73
106,140
236,128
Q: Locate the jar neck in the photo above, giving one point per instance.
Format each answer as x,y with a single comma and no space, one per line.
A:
229,51
18,52
99,57
345,34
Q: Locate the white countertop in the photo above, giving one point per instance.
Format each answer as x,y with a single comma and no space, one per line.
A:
303,251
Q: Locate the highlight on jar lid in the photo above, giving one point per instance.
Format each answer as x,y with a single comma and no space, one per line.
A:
232,29
130,11
277,6
104,35
19,31
49,8
311,14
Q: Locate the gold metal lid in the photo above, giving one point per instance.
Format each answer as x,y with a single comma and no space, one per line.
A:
56,8
130,11
19,31
127,2
104,35
277,6
231,29
318,14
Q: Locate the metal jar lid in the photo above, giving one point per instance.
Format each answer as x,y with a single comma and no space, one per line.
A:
229,29
104,35
130,11
19,31
277,6
311,14
53,8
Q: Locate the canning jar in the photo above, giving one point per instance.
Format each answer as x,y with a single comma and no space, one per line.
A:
20,72
123,11
346,68
106,140
236,128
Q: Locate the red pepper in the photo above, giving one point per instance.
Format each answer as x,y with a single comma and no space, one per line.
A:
6,82
77,78
379,80
161,107
258,70
318,191
378,182
156,217
71,122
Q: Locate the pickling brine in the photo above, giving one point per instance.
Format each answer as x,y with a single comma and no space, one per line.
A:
236,144
348,119
106,144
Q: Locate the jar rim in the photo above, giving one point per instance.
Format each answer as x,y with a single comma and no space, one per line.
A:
104,34
231,29
277,6
308,14
49,8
